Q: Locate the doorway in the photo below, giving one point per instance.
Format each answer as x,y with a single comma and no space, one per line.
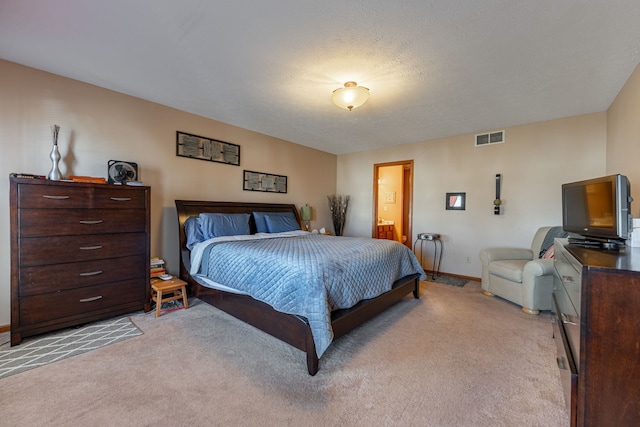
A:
393,201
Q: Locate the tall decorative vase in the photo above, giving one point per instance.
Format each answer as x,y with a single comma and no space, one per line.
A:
55,174
338,206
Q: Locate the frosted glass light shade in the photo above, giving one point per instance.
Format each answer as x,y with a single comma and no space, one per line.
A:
350,96
305,213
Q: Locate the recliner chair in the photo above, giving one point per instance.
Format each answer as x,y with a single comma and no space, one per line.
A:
521,275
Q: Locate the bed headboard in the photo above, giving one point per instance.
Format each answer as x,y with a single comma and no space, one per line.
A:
187,208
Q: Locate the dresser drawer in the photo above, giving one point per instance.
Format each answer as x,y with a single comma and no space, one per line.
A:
56,222
568,319
566,364
62,249
570,276
55,277
58,305
77,196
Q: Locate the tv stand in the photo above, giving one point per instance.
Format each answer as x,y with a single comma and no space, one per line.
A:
596,243
596,321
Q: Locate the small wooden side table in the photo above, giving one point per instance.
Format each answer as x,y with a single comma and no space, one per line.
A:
174,288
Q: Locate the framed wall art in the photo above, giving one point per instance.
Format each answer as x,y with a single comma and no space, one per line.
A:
212,150
390,197
456,201
260,181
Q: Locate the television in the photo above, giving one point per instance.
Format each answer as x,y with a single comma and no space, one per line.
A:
598,209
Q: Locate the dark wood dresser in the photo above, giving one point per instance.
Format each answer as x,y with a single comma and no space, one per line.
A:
79,252
597,331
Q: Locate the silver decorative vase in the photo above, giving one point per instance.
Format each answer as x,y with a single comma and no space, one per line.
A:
55,174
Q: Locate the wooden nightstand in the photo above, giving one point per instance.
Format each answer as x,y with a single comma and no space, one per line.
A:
174,288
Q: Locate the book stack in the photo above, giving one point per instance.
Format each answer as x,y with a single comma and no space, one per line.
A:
27,175
91,179
157,267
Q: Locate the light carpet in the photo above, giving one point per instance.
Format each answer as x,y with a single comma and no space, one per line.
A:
452,358
48,348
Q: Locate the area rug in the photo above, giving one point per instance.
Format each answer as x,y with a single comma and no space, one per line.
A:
44,349
447,280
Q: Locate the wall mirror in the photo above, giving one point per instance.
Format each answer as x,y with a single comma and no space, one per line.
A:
455,201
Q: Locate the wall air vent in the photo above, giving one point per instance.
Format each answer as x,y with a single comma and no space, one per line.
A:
490,138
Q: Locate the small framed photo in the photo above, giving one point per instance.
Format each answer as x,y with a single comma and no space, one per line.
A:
390,197
455,201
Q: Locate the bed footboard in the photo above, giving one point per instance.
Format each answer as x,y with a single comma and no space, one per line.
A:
293,330
345,320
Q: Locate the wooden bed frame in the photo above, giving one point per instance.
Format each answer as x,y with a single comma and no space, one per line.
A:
286,327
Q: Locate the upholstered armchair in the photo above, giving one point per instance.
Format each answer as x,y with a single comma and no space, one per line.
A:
522,276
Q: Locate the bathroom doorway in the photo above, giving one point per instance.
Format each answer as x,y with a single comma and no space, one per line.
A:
393,201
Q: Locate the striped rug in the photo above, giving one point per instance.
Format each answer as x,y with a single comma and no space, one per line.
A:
43,349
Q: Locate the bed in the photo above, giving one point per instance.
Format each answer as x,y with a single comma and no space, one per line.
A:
299,329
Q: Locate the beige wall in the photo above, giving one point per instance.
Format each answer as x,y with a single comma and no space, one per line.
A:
623,136
98,125
535,161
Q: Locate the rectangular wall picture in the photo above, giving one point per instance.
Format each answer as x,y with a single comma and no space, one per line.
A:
456,201
260,181
212,150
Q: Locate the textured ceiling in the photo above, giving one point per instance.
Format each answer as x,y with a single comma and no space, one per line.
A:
434,68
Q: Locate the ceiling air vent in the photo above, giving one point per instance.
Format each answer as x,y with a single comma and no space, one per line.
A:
490,138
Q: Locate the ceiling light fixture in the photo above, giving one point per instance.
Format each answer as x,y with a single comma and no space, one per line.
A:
350,96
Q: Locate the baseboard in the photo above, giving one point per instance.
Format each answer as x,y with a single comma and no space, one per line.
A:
5,328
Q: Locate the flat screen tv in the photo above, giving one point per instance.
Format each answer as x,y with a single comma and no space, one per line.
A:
598,209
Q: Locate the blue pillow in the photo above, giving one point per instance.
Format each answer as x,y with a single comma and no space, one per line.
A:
218,225
261,225
193,232
281,223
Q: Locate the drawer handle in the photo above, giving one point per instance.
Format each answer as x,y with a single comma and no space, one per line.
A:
98,221
121,199
567,279
55,197
90,248
91,299
91,273
565,319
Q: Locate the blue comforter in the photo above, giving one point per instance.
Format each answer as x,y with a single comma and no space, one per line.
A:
308,274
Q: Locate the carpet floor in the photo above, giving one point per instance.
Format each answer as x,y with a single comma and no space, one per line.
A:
452,358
